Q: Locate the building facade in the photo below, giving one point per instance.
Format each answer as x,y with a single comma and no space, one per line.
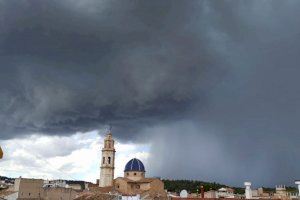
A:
27,189
36,189
107,162
134,182
59,193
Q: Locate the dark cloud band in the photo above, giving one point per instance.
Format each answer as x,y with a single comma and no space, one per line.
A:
227,69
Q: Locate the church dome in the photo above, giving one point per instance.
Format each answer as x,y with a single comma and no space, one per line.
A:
134,165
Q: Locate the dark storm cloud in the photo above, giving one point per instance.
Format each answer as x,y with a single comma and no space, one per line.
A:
71,66
213,77
248,129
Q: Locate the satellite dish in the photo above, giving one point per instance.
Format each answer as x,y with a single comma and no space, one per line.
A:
183,194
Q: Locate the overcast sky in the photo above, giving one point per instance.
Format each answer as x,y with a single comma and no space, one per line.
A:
204,90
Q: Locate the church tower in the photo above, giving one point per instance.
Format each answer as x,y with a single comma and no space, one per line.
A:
108,162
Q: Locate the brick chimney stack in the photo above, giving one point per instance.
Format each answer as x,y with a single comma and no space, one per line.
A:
202,191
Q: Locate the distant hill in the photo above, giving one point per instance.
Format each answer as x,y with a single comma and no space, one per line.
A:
81,183
4,177
193,185
7,178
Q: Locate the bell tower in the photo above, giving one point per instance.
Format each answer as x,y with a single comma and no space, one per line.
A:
107,162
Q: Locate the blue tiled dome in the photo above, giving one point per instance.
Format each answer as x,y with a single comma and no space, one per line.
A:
134,165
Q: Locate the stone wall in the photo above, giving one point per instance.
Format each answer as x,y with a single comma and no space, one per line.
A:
28,188
59,194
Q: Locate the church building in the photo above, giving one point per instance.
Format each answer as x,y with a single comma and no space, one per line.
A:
134,181
108,162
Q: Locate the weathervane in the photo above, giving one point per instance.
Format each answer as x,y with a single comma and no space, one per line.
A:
109,128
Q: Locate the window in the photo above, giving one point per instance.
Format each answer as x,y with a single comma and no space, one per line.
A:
134,174
109,160
103,160
29,193
127,174
137,186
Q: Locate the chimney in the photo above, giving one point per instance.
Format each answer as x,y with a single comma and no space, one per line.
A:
248,191
202,191
298,183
